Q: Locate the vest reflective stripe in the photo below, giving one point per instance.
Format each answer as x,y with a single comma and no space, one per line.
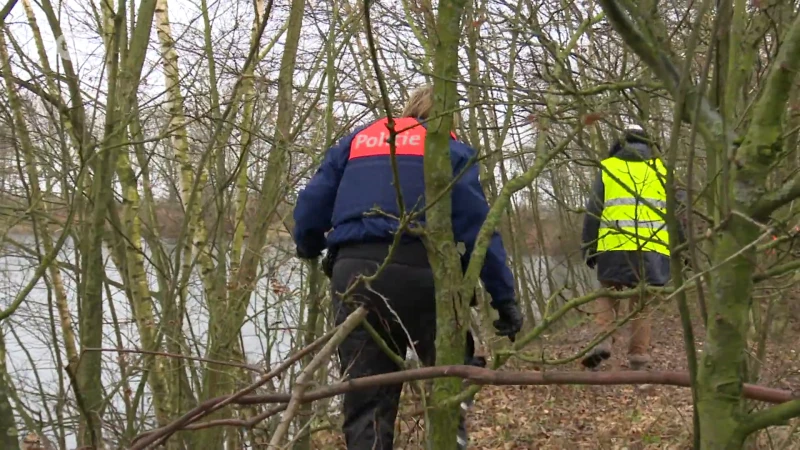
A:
634,201
633,222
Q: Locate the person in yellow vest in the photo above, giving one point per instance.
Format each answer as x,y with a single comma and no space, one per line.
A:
625,238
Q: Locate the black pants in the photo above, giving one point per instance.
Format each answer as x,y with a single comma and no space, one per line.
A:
402,305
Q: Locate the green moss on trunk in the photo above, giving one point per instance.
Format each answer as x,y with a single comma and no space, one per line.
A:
9,437
720,374
452,309
723,423
224,326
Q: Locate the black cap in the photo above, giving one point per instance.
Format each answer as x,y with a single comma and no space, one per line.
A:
635,133
632,134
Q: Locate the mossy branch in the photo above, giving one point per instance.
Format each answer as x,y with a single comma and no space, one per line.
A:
710,122
500,204
769,417
777,198
762,143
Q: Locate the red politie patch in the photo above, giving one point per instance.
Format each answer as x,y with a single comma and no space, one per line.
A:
372,141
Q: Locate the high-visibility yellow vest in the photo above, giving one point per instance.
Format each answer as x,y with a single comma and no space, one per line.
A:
628,222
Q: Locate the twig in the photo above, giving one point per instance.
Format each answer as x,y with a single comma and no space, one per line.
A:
239,423
597,340
344,330
177,356
388,305
390,125
6,10
502,201
211,405
686,284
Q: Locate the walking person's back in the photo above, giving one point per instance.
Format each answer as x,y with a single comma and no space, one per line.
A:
626,238
354,180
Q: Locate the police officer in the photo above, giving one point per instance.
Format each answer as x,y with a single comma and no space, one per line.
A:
626,238
352,199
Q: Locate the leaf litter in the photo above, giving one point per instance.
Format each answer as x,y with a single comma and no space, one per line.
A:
576,417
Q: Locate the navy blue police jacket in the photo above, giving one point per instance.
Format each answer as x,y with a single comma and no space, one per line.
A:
355,177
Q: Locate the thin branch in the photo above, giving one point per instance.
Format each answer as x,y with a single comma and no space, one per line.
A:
177,356
769,417
344,330
761,146
211,405
6,11
481,376
502,201
710,122
373,51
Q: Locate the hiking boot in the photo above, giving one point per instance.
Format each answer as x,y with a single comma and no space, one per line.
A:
597,355
461,435
638,362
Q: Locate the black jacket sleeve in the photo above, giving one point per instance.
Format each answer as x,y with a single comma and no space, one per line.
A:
591,221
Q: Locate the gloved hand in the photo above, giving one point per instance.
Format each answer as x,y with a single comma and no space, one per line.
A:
591,262
510,321
327,263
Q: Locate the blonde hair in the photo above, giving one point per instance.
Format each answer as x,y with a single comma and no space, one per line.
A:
420,104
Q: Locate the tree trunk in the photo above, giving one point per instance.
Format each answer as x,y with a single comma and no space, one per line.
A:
225,323
9,436
452,308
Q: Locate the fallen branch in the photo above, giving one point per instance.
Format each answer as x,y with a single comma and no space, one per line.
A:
211,405
296,400
481,376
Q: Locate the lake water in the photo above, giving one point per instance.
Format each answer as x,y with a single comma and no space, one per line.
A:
31,356
268,333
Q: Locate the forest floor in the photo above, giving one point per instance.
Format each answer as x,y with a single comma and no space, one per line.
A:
617,417
604,417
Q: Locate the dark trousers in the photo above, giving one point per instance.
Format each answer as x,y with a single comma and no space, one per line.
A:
402,309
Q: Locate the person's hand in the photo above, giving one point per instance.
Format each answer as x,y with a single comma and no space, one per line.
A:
510,321
327,264
591,262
